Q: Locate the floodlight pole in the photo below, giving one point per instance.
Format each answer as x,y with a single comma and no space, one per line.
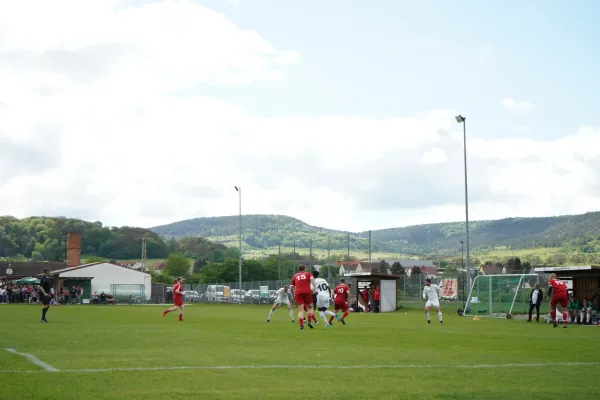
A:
460,119
462,264
279,258
239,190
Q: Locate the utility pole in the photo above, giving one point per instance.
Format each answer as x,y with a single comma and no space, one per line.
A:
144,253
279,257
329,257
294,250
369,249
239,190
310,250
348,246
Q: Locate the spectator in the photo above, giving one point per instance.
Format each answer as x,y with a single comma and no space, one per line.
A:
573,310
34,295
535,300
365,298
376,296
74,294
2,294
585,315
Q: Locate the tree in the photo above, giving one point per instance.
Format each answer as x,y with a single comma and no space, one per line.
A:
397,268
162,278
416,271
177,264
93,259
383,267
198,265
514,266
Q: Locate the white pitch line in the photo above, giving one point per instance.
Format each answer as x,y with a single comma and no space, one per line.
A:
34,360
263,367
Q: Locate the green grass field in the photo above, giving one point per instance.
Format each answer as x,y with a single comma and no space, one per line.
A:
229,352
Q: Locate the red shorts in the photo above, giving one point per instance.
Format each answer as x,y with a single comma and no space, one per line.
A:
340,306
177,302
561,299
303,298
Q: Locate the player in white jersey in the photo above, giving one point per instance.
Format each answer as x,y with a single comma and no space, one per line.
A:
432,294
323,297
282,298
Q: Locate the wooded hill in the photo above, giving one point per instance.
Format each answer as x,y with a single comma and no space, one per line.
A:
263,231
43,239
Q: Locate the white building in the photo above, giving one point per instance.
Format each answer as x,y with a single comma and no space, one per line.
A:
105,276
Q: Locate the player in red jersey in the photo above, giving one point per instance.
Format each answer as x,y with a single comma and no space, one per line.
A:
557,293
302,288
340,301
177,299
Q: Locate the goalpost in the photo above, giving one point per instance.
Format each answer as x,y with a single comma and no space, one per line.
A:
500,296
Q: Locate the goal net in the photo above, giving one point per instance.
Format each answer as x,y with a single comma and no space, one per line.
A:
500,296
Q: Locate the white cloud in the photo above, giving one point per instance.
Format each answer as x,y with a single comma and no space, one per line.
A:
92,125
434,156
516,105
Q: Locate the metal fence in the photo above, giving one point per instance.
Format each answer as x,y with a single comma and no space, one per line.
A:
410,290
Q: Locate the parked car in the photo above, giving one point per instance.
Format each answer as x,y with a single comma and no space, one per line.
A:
272,296
237,296
214,293
253,297
191,296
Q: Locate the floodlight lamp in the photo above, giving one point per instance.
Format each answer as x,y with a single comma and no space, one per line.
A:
460,118
237,189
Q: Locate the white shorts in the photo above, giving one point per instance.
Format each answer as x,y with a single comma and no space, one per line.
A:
322,302
282,303
432,304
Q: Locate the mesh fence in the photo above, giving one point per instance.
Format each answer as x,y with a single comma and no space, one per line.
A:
410,289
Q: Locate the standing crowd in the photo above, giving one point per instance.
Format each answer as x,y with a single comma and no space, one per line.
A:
22,294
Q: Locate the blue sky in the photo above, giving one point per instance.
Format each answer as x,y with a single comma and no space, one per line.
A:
395,58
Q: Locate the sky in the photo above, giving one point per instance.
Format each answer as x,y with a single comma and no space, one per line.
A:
339,113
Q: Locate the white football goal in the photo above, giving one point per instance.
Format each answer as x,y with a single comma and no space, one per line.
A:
501,296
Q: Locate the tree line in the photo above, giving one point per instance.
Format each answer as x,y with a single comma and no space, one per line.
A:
44,239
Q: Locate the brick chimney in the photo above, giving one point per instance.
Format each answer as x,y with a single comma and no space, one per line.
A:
73,249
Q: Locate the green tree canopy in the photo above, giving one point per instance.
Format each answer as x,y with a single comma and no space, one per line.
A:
177,264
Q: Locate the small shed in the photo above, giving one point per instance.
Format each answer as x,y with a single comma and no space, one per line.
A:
388,285
585,278
110,278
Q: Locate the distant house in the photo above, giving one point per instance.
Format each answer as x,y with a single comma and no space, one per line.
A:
491,269
427,267
136,265
360,268
158,266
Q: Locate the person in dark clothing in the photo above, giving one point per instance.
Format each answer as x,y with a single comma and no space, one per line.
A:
45,286
535,300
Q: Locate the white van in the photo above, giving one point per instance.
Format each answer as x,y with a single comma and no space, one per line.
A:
217,293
